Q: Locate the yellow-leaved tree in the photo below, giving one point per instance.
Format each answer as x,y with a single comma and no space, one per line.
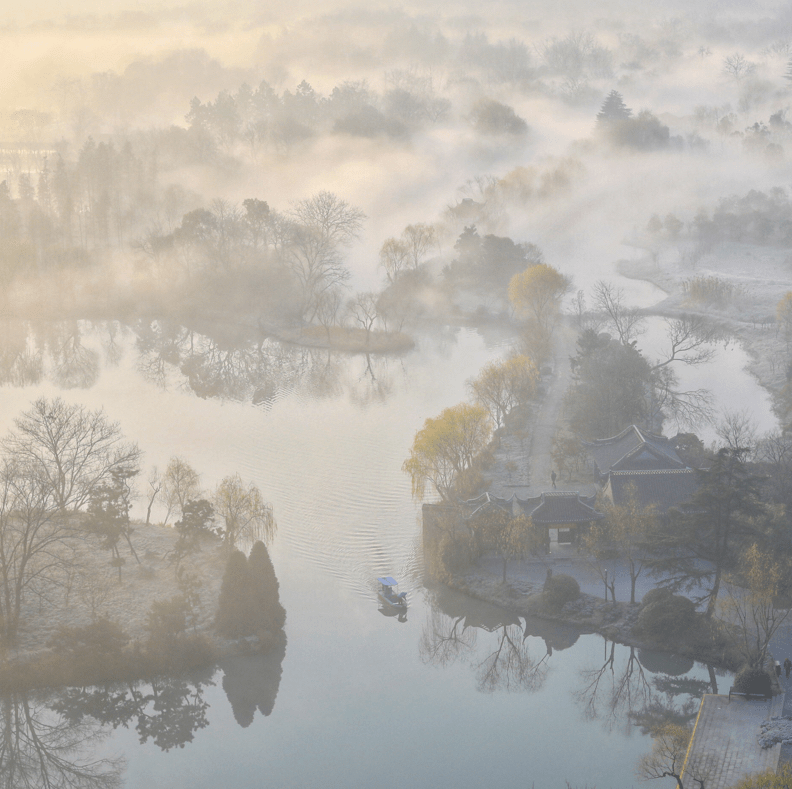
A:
536,294
753,594
445,449
501,386
510,537
784,316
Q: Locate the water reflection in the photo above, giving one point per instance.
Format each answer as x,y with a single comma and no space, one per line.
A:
246,366
50,740
230,363
625,686
501,660
39,748
168,711
646,687
251,683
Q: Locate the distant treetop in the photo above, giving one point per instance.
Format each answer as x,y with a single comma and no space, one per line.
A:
613,109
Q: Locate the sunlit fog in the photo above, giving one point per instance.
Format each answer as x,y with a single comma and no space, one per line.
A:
395,395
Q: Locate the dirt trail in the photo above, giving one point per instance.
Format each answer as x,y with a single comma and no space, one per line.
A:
523,459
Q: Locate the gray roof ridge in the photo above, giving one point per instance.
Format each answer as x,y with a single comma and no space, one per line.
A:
627,472
610,439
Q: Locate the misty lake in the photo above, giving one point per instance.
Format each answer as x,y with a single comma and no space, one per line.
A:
461,694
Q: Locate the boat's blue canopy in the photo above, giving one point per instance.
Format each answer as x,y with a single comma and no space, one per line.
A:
388,581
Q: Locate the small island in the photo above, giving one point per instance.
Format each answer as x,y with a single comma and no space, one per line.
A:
91,595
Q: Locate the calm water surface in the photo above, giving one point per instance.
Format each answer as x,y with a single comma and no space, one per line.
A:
458,695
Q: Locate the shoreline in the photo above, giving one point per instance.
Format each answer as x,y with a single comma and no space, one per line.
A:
750,330
59,645
613,621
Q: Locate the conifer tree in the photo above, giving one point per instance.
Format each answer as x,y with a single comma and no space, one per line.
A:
266,609
613,109
234,607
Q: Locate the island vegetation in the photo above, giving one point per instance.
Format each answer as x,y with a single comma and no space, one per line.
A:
71,611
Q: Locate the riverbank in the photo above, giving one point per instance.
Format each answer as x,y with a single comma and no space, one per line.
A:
591,614
758,278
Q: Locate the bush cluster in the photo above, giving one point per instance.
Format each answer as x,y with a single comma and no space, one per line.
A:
665,615
753,680
559,590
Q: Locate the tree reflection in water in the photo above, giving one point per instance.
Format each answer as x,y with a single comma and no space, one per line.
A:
47,741
43,750
233,363
501,660
73,365
251,683
649,688
21,363
167,711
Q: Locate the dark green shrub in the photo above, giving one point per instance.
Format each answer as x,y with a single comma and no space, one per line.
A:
666,616
653,595
560,590
753,680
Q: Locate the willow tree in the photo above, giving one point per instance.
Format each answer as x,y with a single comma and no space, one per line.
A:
445,449
502,386
245,513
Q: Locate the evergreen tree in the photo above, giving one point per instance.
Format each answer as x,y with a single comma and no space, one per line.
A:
707,539
267,611
108,514
234,607
613,109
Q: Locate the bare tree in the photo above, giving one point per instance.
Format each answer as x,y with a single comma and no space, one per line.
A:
33,534
738,431
688,407
626,321
329,309
335,221
316,263
689,338
180,484
365,311
751,602
71,449
155,486
321,225
737,66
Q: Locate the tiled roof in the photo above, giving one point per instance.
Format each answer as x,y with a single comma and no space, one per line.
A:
560,507
633,448
548,508
664,488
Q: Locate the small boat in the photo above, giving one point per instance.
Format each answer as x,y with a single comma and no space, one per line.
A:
389,595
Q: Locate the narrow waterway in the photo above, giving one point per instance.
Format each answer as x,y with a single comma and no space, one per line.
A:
454,695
